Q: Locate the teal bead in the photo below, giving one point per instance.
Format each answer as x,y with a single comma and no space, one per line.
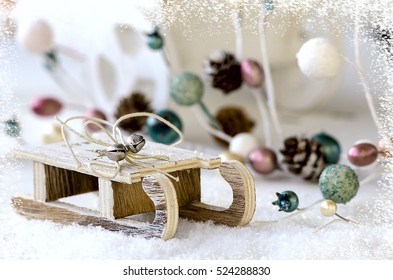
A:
269,5
287,201
155,41
160,132
12,128
187,89
330,147
339,183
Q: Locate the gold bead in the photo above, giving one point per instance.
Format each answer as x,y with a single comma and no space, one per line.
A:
328,208
225,156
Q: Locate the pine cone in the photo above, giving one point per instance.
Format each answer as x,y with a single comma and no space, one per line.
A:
223,71
135,102
233,120
304,157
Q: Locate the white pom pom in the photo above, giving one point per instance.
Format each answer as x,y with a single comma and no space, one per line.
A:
319,59
38,37
242,144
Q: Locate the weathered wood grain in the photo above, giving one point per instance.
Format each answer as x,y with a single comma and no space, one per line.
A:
132,199
188,189
161,191
58,155
61,183
242,209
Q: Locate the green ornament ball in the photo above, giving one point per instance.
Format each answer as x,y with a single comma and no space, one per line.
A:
339,183
287,201
330,147
12,128
159,131
155,41
186,89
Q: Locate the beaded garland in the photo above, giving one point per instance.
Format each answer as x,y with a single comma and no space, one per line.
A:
339,183
287,201
160,132
330,147
155,41
362,154
46,106
12,127
186,89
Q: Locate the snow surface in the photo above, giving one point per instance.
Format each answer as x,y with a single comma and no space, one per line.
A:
291,238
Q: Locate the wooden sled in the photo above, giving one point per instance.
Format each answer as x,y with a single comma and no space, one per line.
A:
135,190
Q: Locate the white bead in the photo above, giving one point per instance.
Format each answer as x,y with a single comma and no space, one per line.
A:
242,144
328,208
38,37
319,59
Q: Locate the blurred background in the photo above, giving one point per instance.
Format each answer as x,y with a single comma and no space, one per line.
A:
104,56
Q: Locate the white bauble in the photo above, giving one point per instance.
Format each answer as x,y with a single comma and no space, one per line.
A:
243,144
37,37
318,58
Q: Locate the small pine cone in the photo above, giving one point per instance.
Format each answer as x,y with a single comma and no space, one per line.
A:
233,120
135,102
303,157
223,71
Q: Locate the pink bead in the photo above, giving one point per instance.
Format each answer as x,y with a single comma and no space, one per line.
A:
95,113
362,154
252,73
263,160
46,106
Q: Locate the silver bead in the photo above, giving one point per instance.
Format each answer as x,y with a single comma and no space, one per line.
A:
135,143
116,152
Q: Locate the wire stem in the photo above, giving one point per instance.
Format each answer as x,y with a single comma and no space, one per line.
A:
264,116
236,20
268,74
219,134
360,71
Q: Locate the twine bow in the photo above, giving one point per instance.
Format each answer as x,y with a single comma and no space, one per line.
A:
116,137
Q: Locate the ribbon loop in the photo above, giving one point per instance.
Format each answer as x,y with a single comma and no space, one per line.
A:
130,157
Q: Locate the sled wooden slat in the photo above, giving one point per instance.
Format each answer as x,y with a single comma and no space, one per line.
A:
59,155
